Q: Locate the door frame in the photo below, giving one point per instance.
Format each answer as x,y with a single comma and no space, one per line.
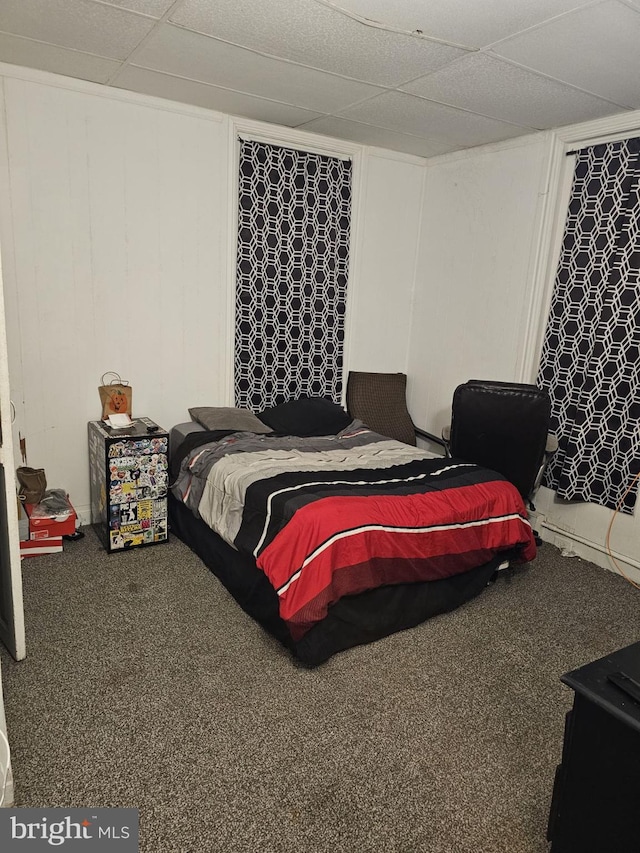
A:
12,631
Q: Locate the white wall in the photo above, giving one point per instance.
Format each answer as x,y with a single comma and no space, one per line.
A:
471,311
387,251
116,222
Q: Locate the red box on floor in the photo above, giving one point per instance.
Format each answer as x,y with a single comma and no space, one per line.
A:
47,527
36,547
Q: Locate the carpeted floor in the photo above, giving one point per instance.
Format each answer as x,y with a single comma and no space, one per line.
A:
145,685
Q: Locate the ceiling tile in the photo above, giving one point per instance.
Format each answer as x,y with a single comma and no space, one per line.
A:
408,114
486,85
154,8
79,24
595,49
187,54
467,22
313,34
59,60
366,134
211,97
311,63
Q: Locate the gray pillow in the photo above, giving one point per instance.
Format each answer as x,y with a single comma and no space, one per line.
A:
221,417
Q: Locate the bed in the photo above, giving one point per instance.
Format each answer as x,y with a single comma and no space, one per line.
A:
330,535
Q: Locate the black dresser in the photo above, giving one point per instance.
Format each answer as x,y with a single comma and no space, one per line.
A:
596,798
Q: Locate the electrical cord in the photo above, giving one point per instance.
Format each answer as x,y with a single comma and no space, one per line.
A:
607,540
3,785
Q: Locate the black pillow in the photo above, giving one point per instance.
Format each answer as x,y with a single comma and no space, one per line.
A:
306,416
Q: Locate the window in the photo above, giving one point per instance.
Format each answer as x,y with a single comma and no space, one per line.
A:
590,362
293,256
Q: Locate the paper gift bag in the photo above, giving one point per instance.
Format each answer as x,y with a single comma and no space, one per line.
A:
115,395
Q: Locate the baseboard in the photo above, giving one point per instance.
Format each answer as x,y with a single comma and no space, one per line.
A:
577,546
84,514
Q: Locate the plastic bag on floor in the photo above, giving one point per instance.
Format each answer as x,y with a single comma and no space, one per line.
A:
54,504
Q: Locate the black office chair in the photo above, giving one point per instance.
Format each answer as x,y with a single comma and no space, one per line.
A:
503,426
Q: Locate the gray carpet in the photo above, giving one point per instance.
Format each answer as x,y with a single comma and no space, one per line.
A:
145,685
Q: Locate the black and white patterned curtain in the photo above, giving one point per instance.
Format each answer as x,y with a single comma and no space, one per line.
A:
293,257
590,362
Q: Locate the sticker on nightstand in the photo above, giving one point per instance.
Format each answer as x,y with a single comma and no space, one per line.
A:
117,540
144,509
114,516
129,513
160,508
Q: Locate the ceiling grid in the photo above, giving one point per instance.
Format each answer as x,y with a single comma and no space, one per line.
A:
424,77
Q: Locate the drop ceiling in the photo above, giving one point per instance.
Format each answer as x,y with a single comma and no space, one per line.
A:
419,76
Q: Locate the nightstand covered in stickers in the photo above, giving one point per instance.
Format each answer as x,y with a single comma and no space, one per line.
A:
129,481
